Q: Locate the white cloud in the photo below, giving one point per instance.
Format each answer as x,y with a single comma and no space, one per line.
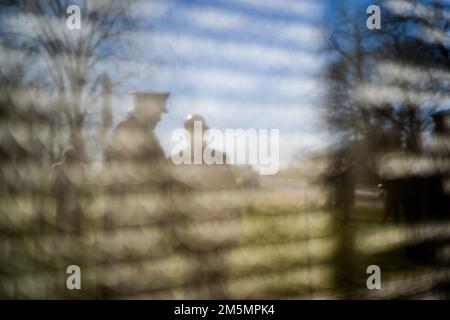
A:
303,7
224,20
229,81
170,45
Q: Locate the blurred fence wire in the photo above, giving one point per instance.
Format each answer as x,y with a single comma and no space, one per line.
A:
74,193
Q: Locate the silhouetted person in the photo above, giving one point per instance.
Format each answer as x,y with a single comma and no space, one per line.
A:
439,150
420,195
393,199
134,139
209,273
340,178
133,153
406,198
135,168
207,176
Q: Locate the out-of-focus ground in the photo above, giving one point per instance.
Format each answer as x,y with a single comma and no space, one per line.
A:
284,243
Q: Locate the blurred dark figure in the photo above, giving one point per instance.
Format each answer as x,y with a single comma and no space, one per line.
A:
209,273
68,182
134,167
134,139
441,122
212,176
439,187
418,193
134,147
339,177
405,198
392,191
422,195
439,150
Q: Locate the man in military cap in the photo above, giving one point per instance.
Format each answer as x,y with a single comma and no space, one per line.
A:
135,168
134,138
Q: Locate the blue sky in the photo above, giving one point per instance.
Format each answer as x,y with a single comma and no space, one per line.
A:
239,63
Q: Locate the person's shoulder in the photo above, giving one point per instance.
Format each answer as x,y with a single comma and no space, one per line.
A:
123,129
126,123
